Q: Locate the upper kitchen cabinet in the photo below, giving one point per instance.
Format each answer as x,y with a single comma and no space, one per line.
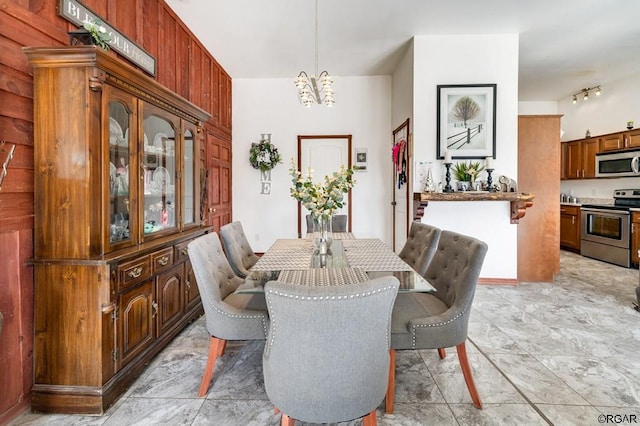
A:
620,141
580,159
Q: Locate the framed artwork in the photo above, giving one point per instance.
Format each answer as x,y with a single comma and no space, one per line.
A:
361,159
466,120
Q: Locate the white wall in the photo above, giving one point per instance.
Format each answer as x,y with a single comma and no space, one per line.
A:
469,59
607,113
538,108
362,109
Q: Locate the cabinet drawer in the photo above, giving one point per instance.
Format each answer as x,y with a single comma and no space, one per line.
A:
572,210
162,259
181,253
133,272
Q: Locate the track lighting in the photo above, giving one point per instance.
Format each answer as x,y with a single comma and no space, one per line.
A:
585,94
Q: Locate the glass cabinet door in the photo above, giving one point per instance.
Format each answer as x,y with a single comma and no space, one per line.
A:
159,168
120,134
189,177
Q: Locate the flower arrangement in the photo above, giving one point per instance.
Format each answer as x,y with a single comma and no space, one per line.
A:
467,171
264,155
98,33
321,199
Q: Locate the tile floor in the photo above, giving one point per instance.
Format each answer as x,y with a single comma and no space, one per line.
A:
564,354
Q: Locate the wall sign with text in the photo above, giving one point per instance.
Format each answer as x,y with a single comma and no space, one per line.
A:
76,13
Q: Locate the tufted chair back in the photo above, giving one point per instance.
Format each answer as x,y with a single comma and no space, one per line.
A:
454,272
228,316
440,320
420,246
326,358
236,246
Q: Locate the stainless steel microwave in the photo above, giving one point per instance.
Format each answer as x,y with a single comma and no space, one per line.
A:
618,164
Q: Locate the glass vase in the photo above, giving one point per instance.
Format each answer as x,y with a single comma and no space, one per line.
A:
323,234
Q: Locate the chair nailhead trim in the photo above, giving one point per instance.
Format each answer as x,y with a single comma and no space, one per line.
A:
295,296
414,327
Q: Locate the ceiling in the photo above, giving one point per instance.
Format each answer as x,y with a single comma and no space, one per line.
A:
565,45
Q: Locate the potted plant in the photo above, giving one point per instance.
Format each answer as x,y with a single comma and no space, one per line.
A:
466,172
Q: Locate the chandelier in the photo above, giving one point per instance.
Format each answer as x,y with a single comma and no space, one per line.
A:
318,87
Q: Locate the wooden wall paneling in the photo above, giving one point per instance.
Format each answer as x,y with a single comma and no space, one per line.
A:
182,63
195,78
15,205
123,15
539,231
214,72
225,101
16,340
206,85
102,7
167,54
25,28
150,28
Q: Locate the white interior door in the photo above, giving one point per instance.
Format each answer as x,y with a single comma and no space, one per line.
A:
323,155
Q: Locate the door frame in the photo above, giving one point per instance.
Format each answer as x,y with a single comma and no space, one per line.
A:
404,127
349,161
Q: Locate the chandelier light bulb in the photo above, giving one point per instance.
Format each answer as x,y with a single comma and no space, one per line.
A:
586,96
574,100
598,91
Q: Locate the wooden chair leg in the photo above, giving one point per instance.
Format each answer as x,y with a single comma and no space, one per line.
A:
391,384
370,419
468,377
442,353
216,349
287,421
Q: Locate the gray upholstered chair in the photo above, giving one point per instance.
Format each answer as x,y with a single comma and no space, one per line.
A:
228,316
439,320
236,246
420,246
338,223
326,358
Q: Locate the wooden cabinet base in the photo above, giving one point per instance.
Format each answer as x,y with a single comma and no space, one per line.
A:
47,398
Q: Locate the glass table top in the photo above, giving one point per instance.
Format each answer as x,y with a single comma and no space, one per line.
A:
299,261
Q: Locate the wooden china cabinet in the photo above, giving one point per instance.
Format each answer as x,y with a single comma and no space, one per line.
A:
118,169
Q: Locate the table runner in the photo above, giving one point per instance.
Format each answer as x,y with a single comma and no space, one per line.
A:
324,276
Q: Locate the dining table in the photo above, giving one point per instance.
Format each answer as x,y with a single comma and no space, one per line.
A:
348,260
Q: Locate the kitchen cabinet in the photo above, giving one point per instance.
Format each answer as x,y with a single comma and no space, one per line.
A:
620,141
581,158
570,227
118,187
563,161
635,237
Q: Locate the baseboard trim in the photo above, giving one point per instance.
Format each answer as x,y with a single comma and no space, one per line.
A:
499,281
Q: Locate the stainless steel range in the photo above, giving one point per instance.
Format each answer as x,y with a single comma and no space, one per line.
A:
606,229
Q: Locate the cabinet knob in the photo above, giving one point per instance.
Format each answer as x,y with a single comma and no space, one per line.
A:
155,309
163,260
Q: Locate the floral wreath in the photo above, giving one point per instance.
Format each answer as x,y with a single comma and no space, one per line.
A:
264,156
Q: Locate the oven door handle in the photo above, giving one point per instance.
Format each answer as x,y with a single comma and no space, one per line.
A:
635,164
606,212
